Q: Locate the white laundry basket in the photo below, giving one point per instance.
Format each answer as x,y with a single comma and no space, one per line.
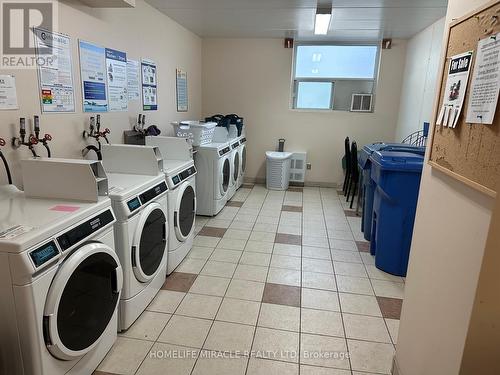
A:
200,133
278,170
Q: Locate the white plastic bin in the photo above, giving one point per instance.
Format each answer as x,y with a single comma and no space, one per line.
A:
200,133
278,170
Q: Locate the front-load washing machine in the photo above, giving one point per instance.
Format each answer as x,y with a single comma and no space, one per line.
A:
180,172
60,283
243,160
235,166
213,164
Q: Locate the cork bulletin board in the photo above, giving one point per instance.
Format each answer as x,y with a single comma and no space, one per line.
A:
469,152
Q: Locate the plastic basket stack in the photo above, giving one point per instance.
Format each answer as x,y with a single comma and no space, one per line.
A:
197,132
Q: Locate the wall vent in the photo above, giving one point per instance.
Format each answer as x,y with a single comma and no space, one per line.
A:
361,102
298,167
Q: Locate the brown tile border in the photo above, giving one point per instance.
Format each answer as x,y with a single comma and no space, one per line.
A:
179,281
363,246
289,239
295,189
281,295
390,307
351,213
234,204
291,208
212,232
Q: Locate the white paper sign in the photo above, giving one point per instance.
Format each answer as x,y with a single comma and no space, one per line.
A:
455,89
116,70
182,91
8,94
55,79
485,82
133,80
93,74
149,86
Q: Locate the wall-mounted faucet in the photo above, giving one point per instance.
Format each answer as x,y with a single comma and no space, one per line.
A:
46,138
95,132
21,140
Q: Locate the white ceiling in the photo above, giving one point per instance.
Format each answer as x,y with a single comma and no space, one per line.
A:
353,20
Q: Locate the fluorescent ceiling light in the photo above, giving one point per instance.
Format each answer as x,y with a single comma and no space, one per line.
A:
322,23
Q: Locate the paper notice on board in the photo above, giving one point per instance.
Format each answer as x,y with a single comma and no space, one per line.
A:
182,91
56,79
116,69
149,86
455,89
8,93
93,75
485,82
133,80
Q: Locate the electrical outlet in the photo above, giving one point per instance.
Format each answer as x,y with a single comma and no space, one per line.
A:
308,166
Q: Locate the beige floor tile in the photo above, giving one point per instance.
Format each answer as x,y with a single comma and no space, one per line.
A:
125,356
255,259
276,345
214,286
371,356
243,225
316,280
375,273
357,285
166,301
345,235
225,336
315,241
343,245
200,252
219,223
311,345
369,328
346,256
148,326
190,265
224,255
289,250
239,311
279,317
251,273
283,261
210,364
262,236
388,289
220,269
317,265
359,304
186,331
258,366
393,327
315,252
320,299
245,289
312,370
245,218
269,228
199,306
156,365
206,241
237,234
259,247
290,229
231,244
350,269
321,322
367,258
283,276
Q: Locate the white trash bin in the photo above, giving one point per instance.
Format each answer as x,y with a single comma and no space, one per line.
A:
278,170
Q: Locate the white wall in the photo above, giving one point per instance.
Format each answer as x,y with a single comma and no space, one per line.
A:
142,32
419,85
252,77
448,245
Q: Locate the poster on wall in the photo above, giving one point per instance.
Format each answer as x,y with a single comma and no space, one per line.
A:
116,70
93,76
149,85
485,83
55,80
455,89
8,93
133,80
182,91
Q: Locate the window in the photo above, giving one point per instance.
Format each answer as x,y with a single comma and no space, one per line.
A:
326,76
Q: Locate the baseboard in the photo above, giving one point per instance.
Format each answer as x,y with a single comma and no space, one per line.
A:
262,181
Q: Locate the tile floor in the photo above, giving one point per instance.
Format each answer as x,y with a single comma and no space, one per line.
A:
277,283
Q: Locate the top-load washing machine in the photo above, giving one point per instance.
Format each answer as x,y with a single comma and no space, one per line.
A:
60,278
138,193
180,171
242,150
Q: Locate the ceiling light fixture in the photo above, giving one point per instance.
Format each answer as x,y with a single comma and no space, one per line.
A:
322,22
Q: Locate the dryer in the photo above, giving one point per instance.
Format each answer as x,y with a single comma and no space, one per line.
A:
235,166
60,278
243,160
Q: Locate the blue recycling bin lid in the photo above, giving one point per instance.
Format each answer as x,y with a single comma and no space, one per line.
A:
368,150
398,161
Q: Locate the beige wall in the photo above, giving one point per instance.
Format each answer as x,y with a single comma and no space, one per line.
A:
142,32
449,238
252,77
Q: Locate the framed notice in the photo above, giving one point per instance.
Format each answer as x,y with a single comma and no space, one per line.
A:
149,86
182,91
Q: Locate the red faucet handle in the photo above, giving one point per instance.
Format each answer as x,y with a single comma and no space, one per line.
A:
33,140
2,142
47,137
106,131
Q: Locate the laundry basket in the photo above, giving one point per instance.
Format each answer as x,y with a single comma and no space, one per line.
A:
199,133
278,170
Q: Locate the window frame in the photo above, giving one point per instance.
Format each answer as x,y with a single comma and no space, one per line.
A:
295,81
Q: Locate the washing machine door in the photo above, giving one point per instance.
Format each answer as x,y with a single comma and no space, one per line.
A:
185,211
150,242
81,300
236,166
225,176
243,152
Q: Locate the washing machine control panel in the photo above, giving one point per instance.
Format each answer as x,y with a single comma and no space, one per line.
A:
134,204
152,193
44,253
243,140
224,151
235,145
177,179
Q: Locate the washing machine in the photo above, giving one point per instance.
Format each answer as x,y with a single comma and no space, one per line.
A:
180,174
235,166
60,282
242,150
213,163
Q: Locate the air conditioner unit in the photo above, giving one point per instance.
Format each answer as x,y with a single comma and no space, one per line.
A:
361,102
298,167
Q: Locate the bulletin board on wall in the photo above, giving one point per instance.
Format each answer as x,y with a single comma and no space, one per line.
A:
469,152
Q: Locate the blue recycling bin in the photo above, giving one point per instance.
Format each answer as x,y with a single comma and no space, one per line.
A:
397,178
367,183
